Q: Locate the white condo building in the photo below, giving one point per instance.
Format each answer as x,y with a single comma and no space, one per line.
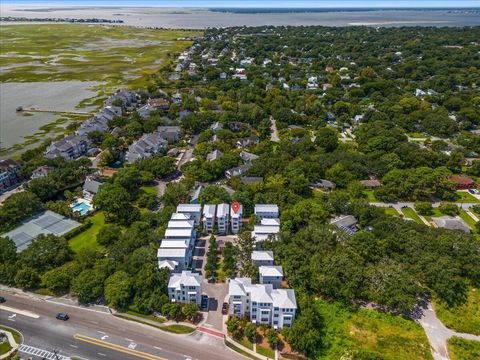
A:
271,275
262,258
209,217
236,219
262,303
269,211
185,287
223,218
193,210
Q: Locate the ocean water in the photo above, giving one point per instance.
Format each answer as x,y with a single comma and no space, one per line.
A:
198,18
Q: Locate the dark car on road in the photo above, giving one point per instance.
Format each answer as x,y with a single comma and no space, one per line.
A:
204,302
225,308
62,316
2,300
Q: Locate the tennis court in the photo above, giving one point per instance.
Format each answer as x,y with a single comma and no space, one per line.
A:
45,223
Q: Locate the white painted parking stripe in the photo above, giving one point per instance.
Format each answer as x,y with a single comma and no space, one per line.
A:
30,350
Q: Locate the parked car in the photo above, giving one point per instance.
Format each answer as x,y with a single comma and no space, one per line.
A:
2,300
204,302
225,308
62,316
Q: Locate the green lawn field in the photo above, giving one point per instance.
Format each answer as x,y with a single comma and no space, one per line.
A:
88,238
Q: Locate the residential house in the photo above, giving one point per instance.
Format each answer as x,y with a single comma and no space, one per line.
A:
195,194
236,219
193,210
216,127
70,148
9,174
223,218
266,211
324,184
42,171
90,188
452,223
159,104
148,145
248,141
209,217
125,96
346,223
271,275
169,133
214,155
462,182
185,287
248,157
237,171
264,232
262,303
262,258
371,184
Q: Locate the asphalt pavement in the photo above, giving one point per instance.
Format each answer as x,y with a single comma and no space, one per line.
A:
92,335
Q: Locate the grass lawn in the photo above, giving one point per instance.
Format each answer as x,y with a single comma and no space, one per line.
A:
391,211
435,213
461,349
466,197
178,329
464,318
5,347
370,195
88,238
468,219
240,351
149,189
416,135
148,317
245,342
370,333
412,214
265,352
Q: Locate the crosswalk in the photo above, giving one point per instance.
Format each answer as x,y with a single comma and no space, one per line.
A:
43,354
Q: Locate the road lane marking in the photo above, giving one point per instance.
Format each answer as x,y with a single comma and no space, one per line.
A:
74,346
104,337
158,348
132,346
116,347
101,332
101,354
20,312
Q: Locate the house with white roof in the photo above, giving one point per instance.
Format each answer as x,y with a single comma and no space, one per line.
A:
193,210
271,275
263,232
236,219
262,303
269,211
209,217
185,287
223,212
262,258
173,258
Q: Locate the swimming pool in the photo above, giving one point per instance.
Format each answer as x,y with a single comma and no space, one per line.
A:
82,208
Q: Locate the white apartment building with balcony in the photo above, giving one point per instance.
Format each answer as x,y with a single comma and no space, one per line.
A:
185,287
236,219
209,217
223,218
262,303
262,258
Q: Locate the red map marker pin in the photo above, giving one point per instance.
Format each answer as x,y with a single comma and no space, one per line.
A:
236,207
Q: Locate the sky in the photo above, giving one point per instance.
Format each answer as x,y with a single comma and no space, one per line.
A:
258,3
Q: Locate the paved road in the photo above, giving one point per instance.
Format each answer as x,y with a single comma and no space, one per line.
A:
188,154
98,336
274,132
438,333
